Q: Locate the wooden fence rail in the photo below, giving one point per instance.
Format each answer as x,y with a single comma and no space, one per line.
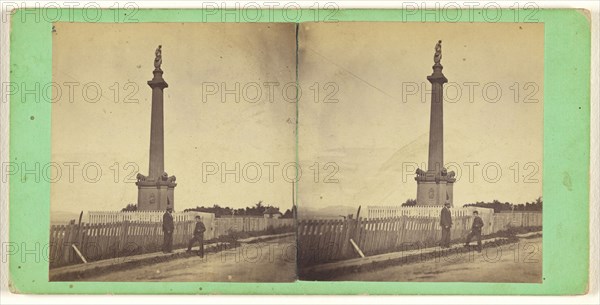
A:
120,239
323,240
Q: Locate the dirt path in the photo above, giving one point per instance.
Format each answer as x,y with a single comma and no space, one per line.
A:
271,261
515,263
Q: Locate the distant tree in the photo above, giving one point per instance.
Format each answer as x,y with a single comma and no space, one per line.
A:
288,214
257,210
409,203
539,203
130,208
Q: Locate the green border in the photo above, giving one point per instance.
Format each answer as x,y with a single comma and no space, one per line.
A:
566,159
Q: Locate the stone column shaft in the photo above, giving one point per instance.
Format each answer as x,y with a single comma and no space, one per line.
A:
157,139
436,121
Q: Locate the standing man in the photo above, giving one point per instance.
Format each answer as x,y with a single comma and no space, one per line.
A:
168,227
475,231
446,224
198,237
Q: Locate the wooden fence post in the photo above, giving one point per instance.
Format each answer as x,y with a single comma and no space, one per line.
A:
345,238
124,235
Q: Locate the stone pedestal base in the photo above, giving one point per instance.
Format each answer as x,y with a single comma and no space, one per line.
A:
435,187
434,193
156,195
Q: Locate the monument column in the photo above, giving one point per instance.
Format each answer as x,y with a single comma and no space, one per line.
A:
156,191
435,186
436,118
157,143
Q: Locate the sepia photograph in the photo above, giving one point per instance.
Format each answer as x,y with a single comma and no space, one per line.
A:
169,145
430,152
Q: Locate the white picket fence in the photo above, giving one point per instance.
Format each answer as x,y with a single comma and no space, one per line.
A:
393,211
390,211
215,226
142,216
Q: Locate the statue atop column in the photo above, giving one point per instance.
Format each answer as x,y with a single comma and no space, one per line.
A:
438,52
158,58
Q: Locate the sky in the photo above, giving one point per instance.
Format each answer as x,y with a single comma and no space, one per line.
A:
203,135
373,130
363,111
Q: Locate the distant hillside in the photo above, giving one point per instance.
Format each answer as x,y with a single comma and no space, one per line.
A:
62,217
332,211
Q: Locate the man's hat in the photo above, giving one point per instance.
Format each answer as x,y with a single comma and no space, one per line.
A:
447,203
169,209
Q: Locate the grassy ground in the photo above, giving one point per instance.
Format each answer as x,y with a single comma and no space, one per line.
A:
233,237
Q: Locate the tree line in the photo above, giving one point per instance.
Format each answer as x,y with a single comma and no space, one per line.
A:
257,209
535,205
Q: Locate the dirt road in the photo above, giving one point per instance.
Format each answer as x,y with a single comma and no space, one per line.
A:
271,261
516,263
